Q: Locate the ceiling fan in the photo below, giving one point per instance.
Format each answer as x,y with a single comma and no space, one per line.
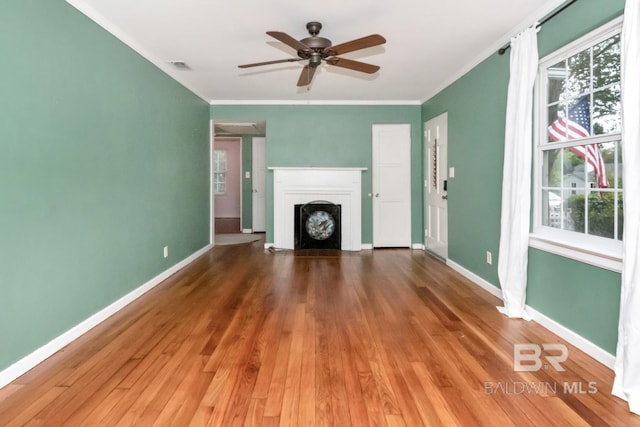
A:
316,49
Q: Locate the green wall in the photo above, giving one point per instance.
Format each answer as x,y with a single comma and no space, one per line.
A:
104,161
247,183
581,297
331,135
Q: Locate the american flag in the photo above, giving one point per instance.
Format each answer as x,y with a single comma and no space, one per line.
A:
578,125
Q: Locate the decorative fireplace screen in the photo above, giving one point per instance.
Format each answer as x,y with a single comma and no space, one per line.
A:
317,225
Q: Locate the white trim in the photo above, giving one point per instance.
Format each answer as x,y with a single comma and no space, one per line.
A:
38,356
418,246
241,179
487,286
596,256
269,245
212,229
542,11
247,230
583,344
311,102
121,35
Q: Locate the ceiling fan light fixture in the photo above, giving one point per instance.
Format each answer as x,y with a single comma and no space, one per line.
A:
316,49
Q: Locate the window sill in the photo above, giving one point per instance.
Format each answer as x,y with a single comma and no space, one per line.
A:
596,251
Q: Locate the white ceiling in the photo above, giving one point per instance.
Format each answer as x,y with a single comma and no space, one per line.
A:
429,43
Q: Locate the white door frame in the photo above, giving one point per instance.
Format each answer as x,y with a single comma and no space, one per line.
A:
212,198
264,183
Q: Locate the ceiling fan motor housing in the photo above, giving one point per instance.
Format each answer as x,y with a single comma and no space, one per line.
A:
316,59
314,42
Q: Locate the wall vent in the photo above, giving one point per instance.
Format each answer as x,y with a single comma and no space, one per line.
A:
181,65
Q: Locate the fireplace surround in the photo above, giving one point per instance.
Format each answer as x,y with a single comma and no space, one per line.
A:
301,185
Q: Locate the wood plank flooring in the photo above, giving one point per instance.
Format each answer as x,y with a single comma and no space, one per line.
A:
245,336
227,225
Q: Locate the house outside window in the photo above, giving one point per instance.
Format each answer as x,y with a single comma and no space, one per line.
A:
220,171
578,204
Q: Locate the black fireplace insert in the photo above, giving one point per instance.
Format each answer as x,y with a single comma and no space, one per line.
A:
317,225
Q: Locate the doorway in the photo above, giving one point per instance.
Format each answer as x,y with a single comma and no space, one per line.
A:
436,198
239,218
227,166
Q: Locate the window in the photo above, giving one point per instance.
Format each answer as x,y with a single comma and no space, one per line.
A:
578,160
220,171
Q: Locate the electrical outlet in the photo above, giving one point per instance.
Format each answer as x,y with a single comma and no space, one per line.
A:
489,258
166,251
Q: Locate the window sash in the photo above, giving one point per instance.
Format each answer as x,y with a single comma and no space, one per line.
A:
589,248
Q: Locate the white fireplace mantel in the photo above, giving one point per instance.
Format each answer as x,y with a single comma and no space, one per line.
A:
300,185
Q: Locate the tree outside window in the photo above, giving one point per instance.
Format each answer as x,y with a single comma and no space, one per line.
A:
581,185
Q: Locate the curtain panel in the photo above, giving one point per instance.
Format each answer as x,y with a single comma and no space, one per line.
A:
627,367
516,178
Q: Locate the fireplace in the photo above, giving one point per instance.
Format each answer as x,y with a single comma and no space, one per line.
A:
300,185
317,225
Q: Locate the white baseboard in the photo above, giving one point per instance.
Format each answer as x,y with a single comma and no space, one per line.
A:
31,360
487,286
418,246
599,354
247,230
269,245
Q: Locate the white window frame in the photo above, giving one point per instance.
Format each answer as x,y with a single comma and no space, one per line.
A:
220,171
599,251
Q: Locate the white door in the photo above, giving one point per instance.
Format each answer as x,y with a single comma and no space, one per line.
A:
391,185
436,232
258,170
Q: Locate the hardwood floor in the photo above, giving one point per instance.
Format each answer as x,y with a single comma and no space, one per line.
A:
227,225
245,336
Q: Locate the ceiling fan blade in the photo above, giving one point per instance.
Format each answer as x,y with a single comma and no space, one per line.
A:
357,44
288,40
306,75
353,65
277,61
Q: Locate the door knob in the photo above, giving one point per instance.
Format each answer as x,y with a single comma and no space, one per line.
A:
445,197
377,194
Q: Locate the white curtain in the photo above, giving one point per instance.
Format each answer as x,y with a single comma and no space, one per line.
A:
627,367
516,180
